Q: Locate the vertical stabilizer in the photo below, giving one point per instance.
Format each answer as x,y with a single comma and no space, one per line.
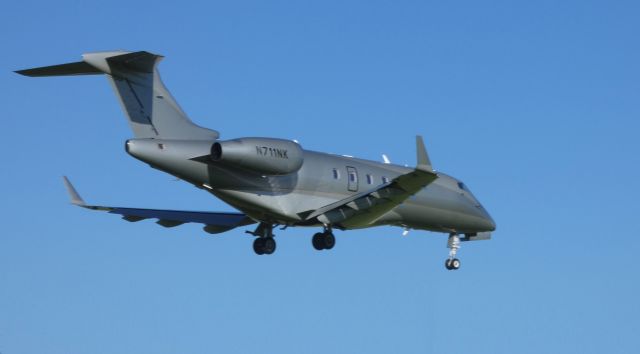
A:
151,110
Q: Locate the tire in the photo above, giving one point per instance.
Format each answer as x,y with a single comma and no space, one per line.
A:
258,246
447,264
317,241
328,240
268,245
455,264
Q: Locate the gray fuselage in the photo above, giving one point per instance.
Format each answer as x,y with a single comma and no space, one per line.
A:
446,205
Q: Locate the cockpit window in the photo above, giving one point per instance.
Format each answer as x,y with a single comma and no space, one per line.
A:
462,186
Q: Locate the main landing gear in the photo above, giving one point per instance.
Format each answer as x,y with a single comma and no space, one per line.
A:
453,263
264,244
323,240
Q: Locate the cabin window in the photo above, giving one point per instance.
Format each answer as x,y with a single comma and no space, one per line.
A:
385,179
336,173
369,179
353,177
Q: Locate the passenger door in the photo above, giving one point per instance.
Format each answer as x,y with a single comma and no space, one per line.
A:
352,179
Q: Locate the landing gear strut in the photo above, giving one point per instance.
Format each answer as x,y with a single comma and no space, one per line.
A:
264,244
323,240
453,263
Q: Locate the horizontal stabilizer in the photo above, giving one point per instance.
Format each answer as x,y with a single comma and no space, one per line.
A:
100,63
77,68
150,108
143,62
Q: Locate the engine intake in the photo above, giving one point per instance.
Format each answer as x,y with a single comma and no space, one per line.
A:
261,155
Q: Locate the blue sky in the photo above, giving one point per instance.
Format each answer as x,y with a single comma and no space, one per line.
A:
533,104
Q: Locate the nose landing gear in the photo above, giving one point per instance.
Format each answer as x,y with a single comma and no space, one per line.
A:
453,263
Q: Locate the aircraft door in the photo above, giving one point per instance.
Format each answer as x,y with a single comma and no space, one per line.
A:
352,178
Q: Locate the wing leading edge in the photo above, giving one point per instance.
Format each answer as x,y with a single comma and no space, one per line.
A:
363,209
214,222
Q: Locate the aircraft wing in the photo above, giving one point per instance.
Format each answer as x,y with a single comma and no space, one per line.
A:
364,208
214,222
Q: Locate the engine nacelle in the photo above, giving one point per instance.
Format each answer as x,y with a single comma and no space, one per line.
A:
261,155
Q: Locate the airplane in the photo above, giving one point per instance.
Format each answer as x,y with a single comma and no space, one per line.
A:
273,182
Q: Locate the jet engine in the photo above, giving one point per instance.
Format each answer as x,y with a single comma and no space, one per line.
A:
261,155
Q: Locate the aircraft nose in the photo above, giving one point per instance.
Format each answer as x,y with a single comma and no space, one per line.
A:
488,222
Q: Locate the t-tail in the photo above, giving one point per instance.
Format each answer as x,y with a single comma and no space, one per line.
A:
151,110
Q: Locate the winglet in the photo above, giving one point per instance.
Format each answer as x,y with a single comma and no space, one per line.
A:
76,199
423,158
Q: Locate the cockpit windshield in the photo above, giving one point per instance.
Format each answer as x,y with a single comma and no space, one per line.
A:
463,187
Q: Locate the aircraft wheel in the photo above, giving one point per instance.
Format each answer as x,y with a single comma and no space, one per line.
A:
447,263
268,245
258,246
317,241
328,240
455,264
452,264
